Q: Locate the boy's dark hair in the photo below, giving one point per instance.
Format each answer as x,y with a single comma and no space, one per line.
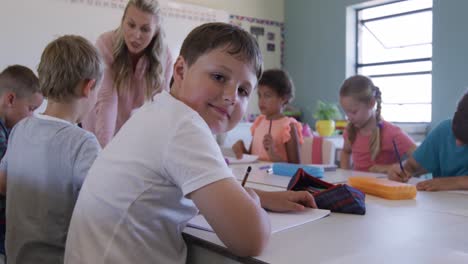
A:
210,36
66,62
460,120
20,80
280,82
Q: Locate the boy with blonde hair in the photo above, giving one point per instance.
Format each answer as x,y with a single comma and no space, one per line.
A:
19,97
164,164
41,195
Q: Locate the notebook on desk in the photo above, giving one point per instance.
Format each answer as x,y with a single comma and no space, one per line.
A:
279,221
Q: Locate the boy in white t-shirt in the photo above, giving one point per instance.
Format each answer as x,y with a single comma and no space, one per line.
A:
49,156
164,164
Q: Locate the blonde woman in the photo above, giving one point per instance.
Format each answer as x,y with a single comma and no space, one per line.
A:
138,65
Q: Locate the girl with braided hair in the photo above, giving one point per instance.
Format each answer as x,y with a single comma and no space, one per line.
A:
368,139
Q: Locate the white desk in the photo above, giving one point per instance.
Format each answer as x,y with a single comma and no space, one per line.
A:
262,177
430,229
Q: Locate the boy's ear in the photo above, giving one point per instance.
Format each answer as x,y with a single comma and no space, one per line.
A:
179,69
88,86
9,98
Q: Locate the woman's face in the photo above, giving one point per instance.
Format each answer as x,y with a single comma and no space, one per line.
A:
139,28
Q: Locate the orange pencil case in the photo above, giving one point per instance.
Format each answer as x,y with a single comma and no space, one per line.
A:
384,188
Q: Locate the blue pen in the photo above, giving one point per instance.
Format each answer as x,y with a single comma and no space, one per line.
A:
398,156
266,167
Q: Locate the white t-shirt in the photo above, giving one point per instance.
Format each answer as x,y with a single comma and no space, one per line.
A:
132,207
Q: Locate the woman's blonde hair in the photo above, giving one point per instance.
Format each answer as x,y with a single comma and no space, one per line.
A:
122,65
362,89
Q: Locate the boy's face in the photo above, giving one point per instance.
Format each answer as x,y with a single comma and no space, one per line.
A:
20,108
217,86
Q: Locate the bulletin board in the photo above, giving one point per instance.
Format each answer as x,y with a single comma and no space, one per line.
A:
270,38
269,35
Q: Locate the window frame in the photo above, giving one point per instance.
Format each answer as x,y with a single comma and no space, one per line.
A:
357,65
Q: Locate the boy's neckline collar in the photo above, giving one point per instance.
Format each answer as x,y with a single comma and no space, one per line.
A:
52,118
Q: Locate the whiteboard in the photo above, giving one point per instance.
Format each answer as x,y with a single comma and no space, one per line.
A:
27,26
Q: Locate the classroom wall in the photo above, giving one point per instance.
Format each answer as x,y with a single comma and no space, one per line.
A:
316,53
265,9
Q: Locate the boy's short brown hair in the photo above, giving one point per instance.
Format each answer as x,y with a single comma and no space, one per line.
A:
20,80
210,36
66,62
460,120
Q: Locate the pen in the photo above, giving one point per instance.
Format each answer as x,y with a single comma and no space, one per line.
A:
246,175
398,156
266,167
269,129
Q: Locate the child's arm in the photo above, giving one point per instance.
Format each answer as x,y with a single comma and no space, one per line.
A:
345,156
235,215
239,149
3,179
292,147
444,184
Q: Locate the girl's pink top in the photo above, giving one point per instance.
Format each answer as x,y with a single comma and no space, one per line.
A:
360,151
113,110
280,131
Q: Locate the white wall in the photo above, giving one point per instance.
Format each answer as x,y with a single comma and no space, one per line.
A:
265,9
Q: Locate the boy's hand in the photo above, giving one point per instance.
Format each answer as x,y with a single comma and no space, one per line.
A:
268,143
395,174
439,184
238,149
286,201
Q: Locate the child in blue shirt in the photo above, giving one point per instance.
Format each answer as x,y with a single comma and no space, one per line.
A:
444,153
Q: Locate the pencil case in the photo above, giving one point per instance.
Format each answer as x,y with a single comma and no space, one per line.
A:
383,187
340,198
289,169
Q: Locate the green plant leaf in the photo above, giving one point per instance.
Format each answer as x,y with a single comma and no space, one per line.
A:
326,111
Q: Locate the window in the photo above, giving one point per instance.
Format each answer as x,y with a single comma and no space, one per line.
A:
394,48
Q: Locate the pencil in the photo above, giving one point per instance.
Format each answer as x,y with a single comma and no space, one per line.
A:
269,129
246,175
398,156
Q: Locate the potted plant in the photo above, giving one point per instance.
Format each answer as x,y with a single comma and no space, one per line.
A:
325,115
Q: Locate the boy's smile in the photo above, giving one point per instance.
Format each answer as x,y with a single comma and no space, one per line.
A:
217,85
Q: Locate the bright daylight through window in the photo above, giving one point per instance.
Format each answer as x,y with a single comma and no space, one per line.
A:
394,48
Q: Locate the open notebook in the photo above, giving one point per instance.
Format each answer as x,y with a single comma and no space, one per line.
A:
279,221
